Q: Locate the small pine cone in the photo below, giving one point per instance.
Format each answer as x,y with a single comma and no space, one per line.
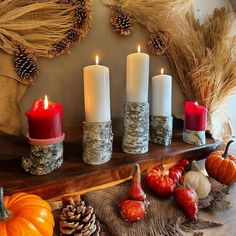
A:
59,48
72,37
80,15
158,43
74,2
122,21
25,65
78,219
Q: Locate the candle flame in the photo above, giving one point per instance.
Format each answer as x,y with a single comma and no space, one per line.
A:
46,102
162,71
97,59
196,103
139,48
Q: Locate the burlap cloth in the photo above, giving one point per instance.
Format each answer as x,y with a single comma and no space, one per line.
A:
11,93
163,218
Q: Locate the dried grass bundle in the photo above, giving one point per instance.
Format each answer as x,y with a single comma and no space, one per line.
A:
38,25
155,14
203,56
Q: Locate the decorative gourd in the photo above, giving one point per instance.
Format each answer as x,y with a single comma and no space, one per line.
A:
198,181
221,165
23,214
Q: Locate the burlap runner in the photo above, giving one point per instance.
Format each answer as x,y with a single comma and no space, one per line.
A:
163,218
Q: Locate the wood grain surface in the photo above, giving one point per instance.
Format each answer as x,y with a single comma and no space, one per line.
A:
76,176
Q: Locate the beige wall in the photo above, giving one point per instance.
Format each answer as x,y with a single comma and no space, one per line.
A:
61,78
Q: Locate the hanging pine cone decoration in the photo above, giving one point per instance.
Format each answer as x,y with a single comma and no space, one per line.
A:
80,17
74,2
158,43
79,219
25,65
122,21
72,37
59,48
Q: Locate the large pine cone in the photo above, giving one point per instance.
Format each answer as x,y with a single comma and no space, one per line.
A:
25,65
78,219
122,21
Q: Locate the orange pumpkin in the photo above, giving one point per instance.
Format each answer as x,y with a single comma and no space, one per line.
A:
221,165
23,214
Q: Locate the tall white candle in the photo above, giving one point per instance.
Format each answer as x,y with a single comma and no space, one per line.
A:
161,95
97,93
137,75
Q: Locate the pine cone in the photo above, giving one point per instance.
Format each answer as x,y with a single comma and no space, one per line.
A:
158,43
25,65
78,219
72,37
59,48
74,2
80,15
122,21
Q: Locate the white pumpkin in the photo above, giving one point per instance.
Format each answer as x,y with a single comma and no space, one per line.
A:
198,181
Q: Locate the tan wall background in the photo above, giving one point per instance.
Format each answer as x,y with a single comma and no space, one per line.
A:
61,78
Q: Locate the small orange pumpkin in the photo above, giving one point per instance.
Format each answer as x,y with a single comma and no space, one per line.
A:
23,214
221,165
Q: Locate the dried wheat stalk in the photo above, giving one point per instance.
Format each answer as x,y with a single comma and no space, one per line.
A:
37,25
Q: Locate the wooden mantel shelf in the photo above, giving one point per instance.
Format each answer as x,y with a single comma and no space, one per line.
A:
75,175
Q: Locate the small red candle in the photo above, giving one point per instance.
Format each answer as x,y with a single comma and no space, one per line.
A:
195,116
45,119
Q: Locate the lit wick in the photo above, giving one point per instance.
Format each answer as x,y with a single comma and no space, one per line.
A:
97,60
162,71
139,48
46,102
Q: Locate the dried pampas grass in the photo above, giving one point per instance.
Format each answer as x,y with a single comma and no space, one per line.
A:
203,56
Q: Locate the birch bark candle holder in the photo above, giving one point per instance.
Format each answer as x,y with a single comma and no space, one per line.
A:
136,128
45,137
97,142
161,121
97,127
136,108
195,117
161,129
45,156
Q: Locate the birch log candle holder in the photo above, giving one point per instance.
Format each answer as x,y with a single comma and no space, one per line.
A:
197,138
97,142
136,128
136,108
45,156
195,117
45,137
161,129
97,128
161,121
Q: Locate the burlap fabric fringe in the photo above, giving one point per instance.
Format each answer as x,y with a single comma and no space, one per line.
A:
164,217
11,93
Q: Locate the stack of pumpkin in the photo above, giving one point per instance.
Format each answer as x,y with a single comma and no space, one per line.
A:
187,187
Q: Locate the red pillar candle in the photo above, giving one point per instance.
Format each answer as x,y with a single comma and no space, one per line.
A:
195,116
45,119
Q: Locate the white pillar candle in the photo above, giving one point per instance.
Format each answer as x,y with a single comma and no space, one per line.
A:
137,75
97,93
161,95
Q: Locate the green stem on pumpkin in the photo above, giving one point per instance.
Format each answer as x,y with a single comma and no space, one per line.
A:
227,149
4,213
